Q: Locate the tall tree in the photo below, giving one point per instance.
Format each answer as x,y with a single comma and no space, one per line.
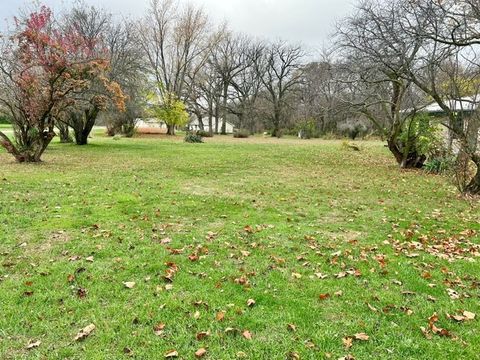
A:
245,85
378,53
282,75
92,24
127,68
229,61
173,38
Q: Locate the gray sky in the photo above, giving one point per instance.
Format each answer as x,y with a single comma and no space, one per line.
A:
309,22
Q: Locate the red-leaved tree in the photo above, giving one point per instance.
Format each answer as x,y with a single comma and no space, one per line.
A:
42,70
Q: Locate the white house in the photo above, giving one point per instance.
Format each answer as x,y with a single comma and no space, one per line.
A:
194,125
466,105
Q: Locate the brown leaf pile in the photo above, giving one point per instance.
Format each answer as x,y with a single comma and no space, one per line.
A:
451,248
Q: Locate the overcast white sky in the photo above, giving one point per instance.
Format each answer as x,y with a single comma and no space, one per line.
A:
309,22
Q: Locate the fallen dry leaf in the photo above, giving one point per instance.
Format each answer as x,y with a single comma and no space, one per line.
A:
87,330
158,329
220,316
436,330
469,315
129,284
32,345
347,342
296,275
321,276
248,229
200,352
291,327
361,336
323,296
82,293
193,257
165,241
453,294
247,335
293,356
250,302
171,354
202,335
465,316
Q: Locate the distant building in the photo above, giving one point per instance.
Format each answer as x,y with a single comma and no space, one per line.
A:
467,106
151,126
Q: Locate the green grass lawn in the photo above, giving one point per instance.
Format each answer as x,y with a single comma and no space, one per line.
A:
233,220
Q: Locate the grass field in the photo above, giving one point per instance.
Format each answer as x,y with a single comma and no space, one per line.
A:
329,243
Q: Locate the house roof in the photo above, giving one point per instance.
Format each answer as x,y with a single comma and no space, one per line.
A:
465,104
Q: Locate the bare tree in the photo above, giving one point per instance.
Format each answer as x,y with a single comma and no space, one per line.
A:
228,59
246,85
378,53
173,38
320,99
282,74
127,69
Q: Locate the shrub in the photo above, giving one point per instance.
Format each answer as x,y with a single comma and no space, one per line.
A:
307,130
241,134
204,133
440,165
193,138
352,129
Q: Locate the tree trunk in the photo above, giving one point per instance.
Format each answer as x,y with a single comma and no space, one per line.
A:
276,123
224,109
82,124
407,159
200,121
473,187
33,153
240,117
217,112
64,133
210,119
170,129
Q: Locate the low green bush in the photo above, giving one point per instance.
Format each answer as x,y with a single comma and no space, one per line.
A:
438,165
193,138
